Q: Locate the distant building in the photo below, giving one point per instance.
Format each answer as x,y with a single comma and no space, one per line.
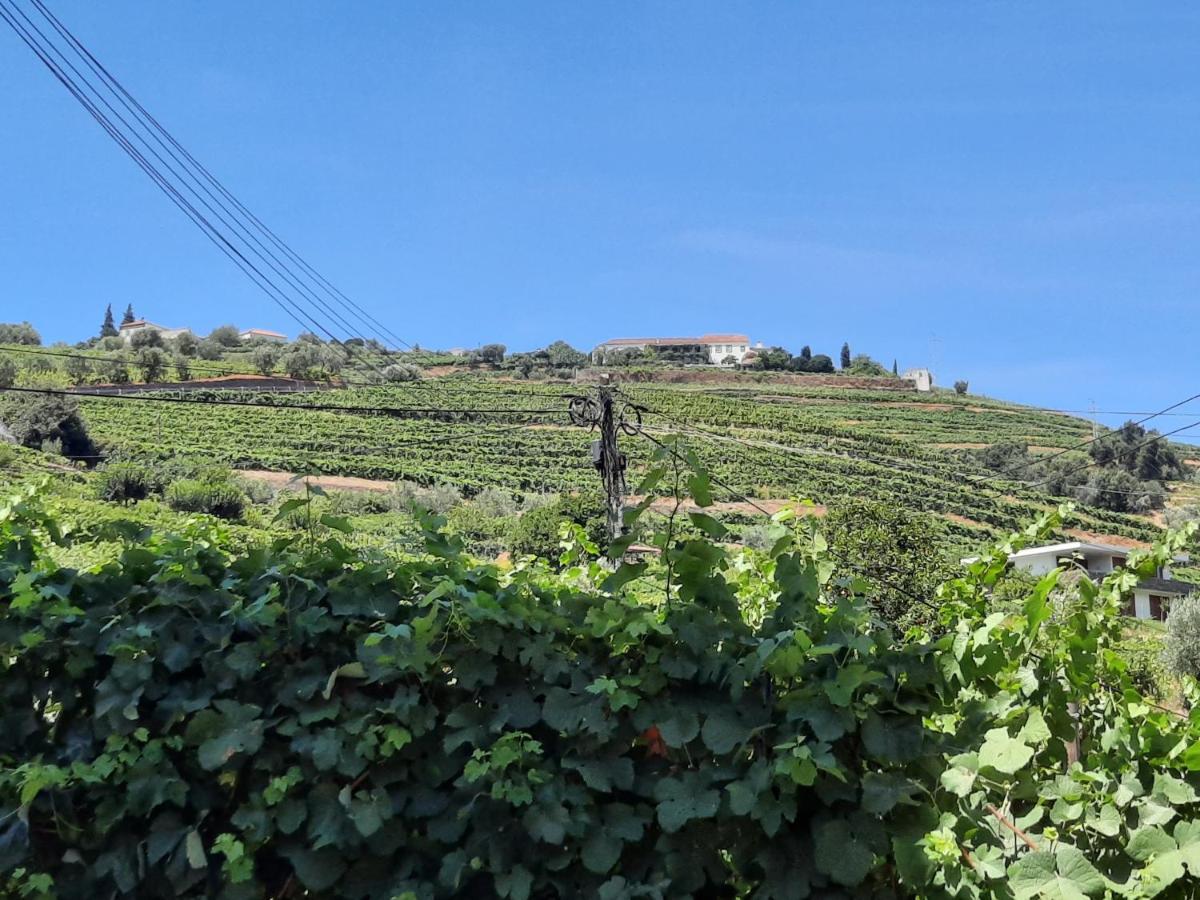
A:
1151,598
128,330
719,347
922,379
261,334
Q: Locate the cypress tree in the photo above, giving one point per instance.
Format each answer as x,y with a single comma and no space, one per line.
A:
108,329
128,315
846,355
895,367
806,353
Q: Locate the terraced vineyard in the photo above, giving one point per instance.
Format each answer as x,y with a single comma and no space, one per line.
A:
765,441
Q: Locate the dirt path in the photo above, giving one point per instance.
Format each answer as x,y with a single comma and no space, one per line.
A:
327,482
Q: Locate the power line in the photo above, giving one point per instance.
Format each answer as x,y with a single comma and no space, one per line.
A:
219,238
98,67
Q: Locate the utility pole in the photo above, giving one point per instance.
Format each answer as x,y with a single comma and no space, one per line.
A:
1095,422
599,412
612,469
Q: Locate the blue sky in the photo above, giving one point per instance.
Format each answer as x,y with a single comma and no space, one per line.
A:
1019,181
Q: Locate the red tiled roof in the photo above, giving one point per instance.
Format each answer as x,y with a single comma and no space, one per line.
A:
263,331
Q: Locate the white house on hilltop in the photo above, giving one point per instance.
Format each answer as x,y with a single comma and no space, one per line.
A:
1151,598
129,329
261,334
922,379
719,346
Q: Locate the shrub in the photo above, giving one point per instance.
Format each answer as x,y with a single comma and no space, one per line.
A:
125,482
210,350
34,420
8,372
115,371
820,364
183,367
226,336
223,500
152,363
78,369
1181,651
399,372
184,722
537,532
146,337
22,333
186,343
494,502
266,358
960,387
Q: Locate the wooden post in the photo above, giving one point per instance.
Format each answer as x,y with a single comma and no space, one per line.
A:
610,464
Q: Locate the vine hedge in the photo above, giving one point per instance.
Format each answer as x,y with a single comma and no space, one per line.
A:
298,721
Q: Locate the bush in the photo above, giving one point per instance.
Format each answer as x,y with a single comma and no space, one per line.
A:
78,369
152,363
226,336
266,358
1181,651
537,532
125,482
960,387
494,502
186,343
115,371
400,372
146,337
223,500
34,420
8,372
182,722
183,367
210,350
22,333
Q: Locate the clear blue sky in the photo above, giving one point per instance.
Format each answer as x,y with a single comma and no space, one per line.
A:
1020,180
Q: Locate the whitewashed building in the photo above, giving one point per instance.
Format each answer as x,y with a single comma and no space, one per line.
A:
129,329
720,347
1151,598
922,379
261,334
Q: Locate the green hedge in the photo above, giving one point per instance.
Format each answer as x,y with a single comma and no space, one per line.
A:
286,723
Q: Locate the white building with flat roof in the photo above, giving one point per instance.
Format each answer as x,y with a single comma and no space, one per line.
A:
1151,598
720,347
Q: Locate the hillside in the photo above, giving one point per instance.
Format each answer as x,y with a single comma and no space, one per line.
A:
764,438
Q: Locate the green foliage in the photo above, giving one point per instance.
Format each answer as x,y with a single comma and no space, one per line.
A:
146,337
126,482
862,364
19,333
222,499
960,387
8,372
187,722
900,548
227,336
186,343
36,419
151,362
78,370
539,531
209,349
845,356
108,328
266,358
1181,653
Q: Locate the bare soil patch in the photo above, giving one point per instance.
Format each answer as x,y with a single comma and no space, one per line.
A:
326,482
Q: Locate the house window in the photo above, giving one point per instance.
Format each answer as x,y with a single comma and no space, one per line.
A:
1118,562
